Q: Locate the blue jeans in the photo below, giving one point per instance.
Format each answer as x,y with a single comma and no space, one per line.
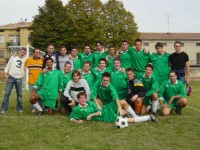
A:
9,86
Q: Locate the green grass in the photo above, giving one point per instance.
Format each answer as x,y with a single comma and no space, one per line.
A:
28,131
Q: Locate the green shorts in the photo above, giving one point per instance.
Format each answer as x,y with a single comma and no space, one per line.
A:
50,103
173,104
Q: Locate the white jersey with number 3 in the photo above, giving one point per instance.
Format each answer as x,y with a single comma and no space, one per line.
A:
15,67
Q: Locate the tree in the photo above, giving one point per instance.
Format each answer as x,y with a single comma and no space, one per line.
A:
49,26
119,24
85,21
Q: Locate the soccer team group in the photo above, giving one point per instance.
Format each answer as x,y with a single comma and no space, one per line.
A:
102,85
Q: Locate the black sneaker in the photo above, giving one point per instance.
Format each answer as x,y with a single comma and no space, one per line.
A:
40,113
153,118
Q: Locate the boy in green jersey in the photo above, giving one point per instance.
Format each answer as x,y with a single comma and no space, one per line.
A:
76,60
160,63
97,71
140,58
67,76
86,56
99,53
151,86
124,55
87,110
118,79
87,74
51,82
172,94
110,57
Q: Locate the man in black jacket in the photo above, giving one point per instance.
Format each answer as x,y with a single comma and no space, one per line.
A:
135,91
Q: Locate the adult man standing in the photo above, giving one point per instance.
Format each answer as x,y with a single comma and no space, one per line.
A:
34,65
179,62
86,56
172,94
13,73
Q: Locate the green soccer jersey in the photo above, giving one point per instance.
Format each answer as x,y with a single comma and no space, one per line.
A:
110,62
66,78
107,114
125,59
83,57
98,73
160,65
89,77
51,83
167,90
139,61
119,81
97,56
76,63
105,94
150,84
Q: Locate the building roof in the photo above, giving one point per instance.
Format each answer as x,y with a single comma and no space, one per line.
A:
170,36
16,25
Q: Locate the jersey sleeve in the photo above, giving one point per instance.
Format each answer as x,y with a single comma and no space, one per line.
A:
154,87
39,81
93,94
182,90
87,89
60,81
161,91
75,115
113,93
67,89
7,68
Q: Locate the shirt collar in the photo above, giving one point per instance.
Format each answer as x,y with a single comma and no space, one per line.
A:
81,106
175,82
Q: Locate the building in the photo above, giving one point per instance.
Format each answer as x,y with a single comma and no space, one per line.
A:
17,34
190,43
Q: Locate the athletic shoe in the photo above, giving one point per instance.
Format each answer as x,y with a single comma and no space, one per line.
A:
3,112
21,111
40,113
153,118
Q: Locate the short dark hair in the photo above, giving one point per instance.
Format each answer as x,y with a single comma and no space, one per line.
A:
102,59
50,44
63,47
158,44
177,42
35,49
49,58
116,59
76,72
67,63
23,48
150,66
130,69
111,46
138,40
124,41
173,72
74,47
87,45
100,42
81,94
86,62
106,74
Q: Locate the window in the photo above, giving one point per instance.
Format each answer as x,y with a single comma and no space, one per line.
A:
164,44
1,53
1,39
197,44
198,58
145,44
29,37
14,40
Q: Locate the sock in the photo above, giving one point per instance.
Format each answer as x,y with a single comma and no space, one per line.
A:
37,106
154,106
141,118
148,107
138,107
131,111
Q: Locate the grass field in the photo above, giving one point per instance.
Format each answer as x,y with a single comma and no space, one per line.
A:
28,131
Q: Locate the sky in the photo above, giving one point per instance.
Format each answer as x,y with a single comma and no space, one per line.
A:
150,15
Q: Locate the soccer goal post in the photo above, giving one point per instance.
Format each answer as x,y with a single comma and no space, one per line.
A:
14,50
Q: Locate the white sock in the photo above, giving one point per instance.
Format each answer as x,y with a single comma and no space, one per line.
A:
37,106
142,118
148,107
131,111
154,106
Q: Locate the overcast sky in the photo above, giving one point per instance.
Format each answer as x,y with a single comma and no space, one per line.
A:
150,15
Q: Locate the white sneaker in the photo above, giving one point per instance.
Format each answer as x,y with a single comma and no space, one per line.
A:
153,118
3,112
21,111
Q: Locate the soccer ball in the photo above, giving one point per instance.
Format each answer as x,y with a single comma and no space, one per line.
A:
121,122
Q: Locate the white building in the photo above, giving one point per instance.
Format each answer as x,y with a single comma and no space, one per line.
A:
190,43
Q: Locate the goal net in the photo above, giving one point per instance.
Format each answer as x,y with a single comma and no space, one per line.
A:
13,50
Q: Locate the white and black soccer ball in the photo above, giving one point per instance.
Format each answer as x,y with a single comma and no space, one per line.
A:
121,122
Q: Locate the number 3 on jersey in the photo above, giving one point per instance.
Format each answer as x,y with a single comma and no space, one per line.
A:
19,64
